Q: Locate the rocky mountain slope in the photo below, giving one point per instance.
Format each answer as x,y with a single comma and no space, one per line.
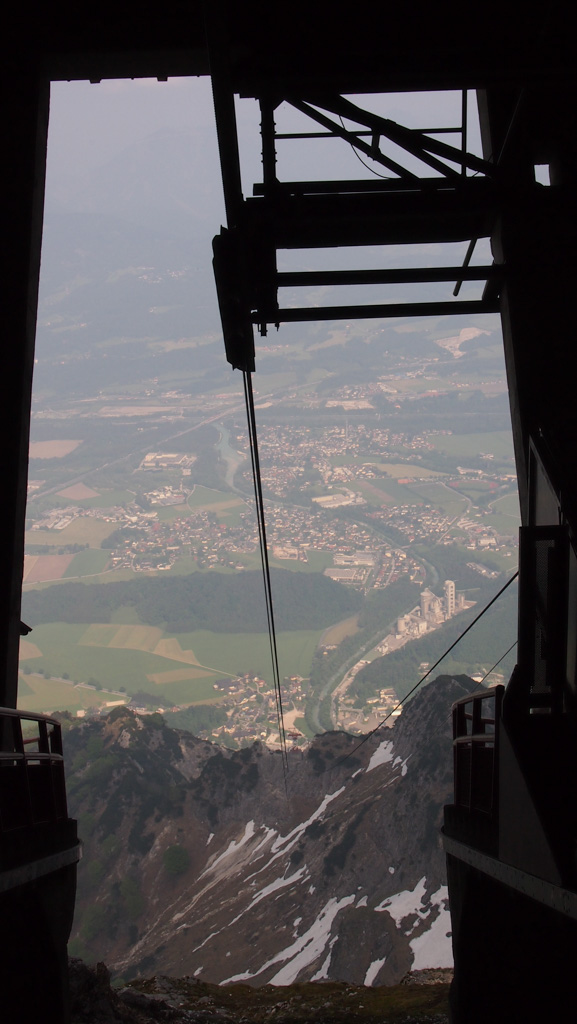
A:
200,861
420,999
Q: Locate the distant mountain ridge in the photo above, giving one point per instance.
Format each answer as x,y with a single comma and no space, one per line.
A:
198,862
169,179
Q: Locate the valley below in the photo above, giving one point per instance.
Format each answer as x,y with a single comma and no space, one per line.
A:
387,470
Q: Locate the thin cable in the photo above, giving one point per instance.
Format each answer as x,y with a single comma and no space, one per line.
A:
264,552
386,177
266,573
255,461
492,669
368,735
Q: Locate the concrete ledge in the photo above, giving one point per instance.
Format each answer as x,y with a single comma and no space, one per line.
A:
547,893
29,872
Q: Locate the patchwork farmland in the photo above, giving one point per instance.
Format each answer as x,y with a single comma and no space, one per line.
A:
132,658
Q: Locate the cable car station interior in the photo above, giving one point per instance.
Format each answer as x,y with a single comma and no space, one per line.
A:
511,834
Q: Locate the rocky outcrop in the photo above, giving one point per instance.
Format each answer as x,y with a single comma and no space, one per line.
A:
201,862
188,1001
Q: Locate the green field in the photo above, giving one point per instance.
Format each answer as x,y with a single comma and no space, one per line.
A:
90,567
317,561
250,652
106,499
101,576
208,498
505,560
84,530
508,505
505,525
302,725
224,504
125,615
185,670
336,634
441,497
62,651
166,513
46,695
87,563
382,492
347,460
499,444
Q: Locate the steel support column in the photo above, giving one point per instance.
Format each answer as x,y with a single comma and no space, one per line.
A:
24,132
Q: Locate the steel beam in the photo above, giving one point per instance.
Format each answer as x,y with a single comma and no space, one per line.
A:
398,218
304,278
342,133
415,141
372,312
360,185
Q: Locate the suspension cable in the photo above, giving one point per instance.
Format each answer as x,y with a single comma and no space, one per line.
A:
399,704
256,475
492,669
497,663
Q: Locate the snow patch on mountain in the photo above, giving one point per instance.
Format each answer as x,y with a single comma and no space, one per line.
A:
304,951
279,883
373,970
382,755
406,903
399,761
434,947
323,972
208,938
232,848
297,832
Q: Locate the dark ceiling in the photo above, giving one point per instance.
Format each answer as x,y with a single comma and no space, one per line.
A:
363,48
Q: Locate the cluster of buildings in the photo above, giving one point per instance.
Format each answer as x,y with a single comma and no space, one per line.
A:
362,720
429,614
362,396
425,523
360,558
250,706
57,518
289,462
155,461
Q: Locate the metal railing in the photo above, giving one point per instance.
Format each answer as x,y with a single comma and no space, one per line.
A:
32,785
476,751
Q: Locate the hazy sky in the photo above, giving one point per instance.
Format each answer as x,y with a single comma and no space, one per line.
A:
89,124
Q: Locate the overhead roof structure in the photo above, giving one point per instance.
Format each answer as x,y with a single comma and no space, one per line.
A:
512,832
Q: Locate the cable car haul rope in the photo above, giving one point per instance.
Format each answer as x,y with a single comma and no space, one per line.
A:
256,475
255,462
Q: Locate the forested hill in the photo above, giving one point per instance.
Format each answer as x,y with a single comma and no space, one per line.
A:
181,604
494,633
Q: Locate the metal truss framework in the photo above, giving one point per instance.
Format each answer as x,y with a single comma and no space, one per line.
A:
456,200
